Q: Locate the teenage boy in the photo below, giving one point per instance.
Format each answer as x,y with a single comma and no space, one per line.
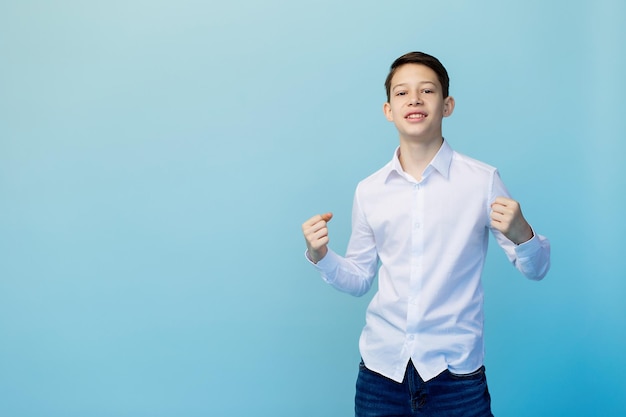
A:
422,223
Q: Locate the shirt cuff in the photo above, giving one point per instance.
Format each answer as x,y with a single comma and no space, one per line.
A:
529,247
327,264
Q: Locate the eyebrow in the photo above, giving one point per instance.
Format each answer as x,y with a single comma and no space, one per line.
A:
419,83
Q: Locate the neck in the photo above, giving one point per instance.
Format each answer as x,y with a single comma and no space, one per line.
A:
415,156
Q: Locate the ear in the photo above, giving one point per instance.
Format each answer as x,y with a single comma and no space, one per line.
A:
448,106
387,111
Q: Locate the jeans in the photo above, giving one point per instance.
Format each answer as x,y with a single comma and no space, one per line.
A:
446,395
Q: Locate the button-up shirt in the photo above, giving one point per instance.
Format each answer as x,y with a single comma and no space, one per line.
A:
427,240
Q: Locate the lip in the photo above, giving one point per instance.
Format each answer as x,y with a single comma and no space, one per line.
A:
416,119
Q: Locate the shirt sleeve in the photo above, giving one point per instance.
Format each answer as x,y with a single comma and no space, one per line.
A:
355,272
531,258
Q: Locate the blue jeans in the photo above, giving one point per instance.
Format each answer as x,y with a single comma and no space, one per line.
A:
446,395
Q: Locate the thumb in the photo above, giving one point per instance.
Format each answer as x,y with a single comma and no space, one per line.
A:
327,216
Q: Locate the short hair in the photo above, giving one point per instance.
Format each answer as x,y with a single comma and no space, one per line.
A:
422,59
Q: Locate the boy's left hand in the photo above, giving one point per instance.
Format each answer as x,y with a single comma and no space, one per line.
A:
506,217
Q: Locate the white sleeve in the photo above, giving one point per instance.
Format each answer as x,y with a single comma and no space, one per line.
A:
531,258
355,272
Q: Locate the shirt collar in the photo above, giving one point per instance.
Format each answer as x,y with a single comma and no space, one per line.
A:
441,162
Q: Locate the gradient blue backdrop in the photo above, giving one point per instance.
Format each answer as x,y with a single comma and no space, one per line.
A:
158,157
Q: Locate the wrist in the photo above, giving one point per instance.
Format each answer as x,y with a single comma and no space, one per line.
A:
316,255
525,237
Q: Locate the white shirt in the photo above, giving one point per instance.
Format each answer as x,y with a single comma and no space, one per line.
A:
428,241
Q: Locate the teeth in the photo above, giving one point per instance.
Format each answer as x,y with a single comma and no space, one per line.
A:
415,116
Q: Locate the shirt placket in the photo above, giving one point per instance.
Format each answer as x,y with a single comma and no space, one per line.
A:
416,263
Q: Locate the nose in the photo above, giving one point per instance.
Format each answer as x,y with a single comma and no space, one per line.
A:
415,100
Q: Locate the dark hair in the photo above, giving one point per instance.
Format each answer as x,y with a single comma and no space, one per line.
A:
421,59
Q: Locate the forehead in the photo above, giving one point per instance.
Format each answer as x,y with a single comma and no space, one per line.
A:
414,74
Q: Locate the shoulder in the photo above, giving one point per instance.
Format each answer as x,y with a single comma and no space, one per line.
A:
466,163
375,179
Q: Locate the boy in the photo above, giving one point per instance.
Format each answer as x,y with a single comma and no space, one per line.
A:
422,222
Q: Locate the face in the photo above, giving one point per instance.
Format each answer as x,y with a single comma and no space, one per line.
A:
416,104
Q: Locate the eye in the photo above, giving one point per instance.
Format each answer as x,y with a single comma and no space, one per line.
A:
400,93
428,91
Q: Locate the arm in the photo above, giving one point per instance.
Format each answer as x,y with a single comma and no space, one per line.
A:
353,273
529,252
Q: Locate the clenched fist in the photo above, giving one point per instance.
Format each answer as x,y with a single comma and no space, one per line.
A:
506,216
315,232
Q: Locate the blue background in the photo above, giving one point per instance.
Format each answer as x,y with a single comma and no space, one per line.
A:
157,159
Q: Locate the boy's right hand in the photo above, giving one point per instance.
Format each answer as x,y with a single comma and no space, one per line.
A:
315,232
